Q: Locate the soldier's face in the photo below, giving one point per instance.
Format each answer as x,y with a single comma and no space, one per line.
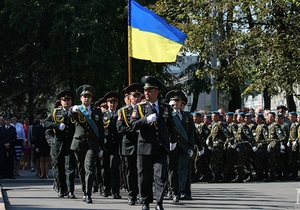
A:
151,94
293,118
66,103
86,100
135,98
112,105
229,118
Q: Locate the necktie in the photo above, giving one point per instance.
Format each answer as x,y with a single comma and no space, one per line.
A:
179,115
153,108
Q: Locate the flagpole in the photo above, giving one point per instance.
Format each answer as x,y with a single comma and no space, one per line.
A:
129,44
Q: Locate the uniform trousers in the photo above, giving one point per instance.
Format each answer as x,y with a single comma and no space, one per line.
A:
131,176
86,163
152,168
66,171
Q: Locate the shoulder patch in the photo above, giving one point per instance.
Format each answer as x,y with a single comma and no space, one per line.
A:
134,113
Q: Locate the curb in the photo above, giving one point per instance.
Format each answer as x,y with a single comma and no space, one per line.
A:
2,205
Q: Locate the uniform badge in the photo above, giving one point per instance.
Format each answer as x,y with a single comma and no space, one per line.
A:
279,131
133,115
266,133
97,117
247,132
254,134
119,117
105,118
187,120
225,130
166,113
206,131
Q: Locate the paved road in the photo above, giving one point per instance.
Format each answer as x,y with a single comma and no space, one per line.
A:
28,192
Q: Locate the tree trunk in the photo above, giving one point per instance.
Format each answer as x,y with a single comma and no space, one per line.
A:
267,99
291,105
195,101
236,100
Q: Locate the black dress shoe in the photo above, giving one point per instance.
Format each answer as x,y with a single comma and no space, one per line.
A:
71,195
131,202
117,196
88,199
159,207
61,194
176,199
145,207
84,198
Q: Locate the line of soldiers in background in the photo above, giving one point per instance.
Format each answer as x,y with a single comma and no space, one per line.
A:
241,146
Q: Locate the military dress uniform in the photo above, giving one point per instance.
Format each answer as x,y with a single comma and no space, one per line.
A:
179,157
153,145
129,144
87,142
111,155
64,157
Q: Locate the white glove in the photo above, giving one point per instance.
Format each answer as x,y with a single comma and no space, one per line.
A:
171,103
105,140
207,142
62,126
100,154
238,149
151,118
210,148
294,143
254,148
201,152
75,108
282,147
288,144
233,146
172,146
191,152
269,148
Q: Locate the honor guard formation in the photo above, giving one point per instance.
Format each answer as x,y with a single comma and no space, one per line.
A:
150,147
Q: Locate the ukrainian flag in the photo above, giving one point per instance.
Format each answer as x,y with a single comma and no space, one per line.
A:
151,37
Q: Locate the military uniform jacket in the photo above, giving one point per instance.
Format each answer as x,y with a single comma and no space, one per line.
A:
64,138
294,132
156,134
261,134
275,134
202,132
129,141
84,131
219,134
244,134
111,134
232,127
188,125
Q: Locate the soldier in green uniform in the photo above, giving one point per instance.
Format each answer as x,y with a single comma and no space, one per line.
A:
260,148
276,144
88,139
230,152
129,141
60,122
293,146
201,165
216,143
185,138
244,140
111,156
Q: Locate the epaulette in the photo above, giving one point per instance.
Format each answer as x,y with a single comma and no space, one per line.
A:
142,103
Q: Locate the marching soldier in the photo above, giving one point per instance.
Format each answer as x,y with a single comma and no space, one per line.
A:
153,119
112,140
64,160
216,143
260,148
244,140
230,152
88,139
293,146
275,146
185,136
129,141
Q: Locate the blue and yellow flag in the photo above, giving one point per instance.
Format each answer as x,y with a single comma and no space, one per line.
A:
151,37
